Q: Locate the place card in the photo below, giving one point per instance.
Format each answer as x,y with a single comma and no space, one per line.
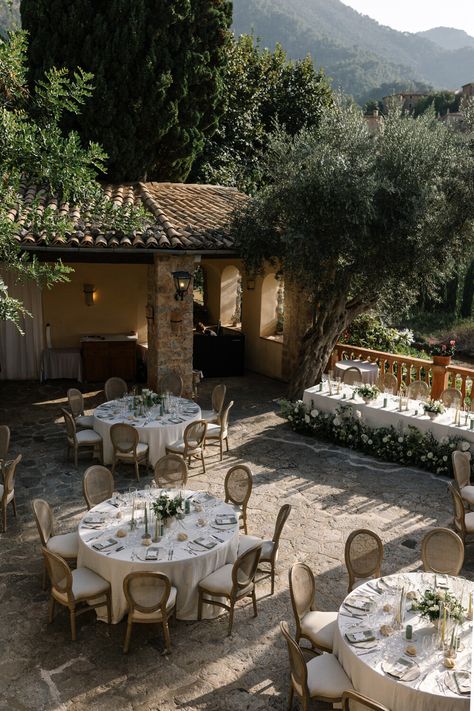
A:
441,581
153,553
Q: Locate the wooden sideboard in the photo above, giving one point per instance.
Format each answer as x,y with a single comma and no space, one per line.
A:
104,359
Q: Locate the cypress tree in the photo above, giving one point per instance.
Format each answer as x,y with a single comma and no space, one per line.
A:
157,74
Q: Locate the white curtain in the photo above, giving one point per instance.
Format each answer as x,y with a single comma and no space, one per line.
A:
20,355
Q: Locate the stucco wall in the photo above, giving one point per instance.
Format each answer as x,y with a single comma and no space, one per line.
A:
119,303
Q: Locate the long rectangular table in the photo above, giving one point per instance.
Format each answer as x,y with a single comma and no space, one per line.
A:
375,415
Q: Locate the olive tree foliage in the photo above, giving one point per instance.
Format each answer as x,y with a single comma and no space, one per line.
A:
360,220
34,151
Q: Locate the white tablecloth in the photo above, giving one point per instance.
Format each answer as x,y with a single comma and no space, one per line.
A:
61,363
375,415
369,371
364,667
185,570
157,433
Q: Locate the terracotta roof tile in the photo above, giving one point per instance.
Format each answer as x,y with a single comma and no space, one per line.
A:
182,216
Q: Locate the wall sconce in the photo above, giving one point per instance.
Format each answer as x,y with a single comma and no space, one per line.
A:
182,281
250,283
89,291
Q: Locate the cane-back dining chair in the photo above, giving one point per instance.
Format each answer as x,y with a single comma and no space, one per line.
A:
4,442
7,489
171,472
76,405
79,590
462,475
219,433
363,555
451,397
442,551
418,390
463,522
321,679
98,485
388,382
81,439
65,545
192,444
361,701
217,401
151,600
127,447
352,375
313,625
238,487
270,547
171,383
115,388
233,581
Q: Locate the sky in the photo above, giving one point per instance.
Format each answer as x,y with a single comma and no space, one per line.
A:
416,15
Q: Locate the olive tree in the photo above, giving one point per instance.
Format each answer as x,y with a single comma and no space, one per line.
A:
359,219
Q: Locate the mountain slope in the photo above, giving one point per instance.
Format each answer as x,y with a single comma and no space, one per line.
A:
448,37
354,49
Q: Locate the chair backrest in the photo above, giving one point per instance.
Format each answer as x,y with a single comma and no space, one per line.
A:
363,554
59,572
418,390
281,519
298,668
302,590
361,701
218,397
147,591
194,434
4,441
70,425
171,472
97,485
9,470
124,437
224,419
462,468
387,381
245,567
442,551
458,508
451,397
115,388
352,375
238,485
44,519
172,383
76,402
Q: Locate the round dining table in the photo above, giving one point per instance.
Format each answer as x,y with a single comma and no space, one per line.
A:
369,371
380,667
154,429
209,544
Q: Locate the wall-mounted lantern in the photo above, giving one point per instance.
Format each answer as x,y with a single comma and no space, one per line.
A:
89,291
182,281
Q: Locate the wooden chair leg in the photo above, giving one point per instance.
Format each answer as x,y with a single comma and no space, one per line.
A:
114,464
273,579
220,446
109,608
203,462
72,618
290,697
128,635
14,506
137,471
227,444
51,609
200,605
4,517
254,603
45,576
166,634
231,618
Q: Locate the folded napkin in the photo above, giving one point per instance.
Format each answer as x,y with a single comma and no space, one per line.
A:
102,545
358,604
401,669
360,636
154,553
441,581
225,519
462,681
94,519
205,542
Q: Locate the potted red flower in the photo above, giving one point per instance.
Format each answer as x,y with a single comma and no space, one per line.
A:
442,353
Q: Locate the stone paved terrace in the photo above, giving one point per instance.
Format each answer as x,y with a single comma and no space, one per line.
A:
331,490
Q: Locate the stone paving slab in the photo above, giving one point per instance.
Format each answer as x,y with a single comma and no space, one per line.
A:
332,491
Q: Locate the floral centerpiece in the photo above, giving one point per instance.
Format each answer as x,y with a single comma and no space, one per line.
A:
433,408
433,602
368,392
166,506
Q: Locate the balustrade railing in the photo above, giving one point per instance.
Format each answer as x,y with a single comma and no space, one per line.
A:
407,369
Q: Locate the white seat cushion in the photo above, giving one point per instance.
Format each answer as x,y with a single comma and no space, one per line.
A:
209,416
213,431
10,495
469,519
178,447
85,421
142,450
156,616
246,542
326,677
66,544
85,584
220,582
467,493
319,627
88,437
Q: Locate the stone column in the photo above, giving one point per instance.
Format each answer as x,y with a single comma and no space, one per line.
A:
170,322
298,318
